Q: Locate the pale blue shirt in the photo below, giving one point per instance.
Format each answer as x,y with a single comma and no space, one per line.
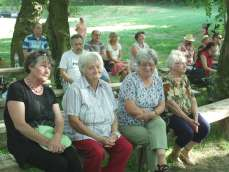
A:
94,108
133,88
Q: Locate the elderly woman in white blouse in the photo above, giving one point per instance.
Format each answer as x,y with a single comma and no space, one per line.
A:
90,121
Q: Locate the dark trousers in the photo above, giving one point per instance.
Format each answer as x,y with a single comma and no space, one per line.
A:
68,161
108,65
184,131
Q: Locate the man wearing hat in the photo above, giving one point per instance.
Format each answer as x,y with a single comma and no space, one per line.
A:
188,49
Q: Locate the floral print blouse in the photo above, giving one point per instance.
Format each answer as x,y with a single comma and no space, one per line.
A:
133,89
181,93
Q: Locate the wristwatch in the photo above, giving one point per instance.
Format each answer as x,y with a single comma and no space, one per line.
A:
117,133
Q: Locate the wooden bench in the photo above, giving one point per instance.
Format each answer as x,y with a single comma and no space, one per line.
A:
5,71
114,86
215,111
8,164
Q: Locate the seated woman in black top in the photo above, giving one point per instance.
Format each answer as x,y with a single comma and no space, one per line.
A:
30,103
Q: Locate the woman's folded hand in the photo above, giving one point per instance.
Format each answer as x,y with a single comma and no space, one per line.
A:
108,141
55,146
194,124
146,115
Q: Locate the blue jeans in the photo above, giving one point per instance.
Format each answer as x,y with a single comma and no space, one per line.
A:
184,131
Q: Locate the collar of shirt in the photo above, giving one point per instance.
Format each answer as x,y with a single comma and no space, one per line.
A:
87,85
36,38
95,43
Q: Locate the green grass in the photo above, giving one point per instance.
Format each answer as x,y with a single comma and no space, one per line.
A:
5,51
170,24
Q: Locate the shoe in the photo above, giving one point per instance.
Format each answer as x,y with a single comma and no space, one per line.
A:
175,162
162,168
184,156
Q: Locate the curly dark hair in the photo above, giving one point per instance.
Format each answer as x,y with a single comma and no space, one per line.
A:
137,34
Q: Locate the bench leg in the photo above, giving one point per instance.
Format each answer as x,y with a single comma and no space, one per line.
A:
145,157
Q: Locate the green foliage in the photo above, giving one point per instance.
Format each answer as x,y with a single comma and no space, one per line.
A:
211,6
10,3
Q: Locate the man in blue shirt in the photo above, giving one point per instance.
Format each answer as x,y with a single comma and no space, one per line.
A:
35,41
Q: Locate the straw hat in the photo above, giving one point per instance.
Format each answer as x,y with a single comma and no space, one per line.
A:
205,37
220,36
189,37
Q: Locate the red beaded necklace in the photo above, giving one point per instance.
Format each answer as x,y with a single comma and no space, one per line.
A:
38,90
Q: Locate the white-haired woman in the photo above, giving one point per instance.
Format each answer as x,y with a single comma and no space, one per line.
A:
189,127
90,120
141,101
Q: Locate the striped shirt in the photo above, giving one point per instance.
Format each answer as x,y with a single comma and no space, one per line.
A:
94,108
31,43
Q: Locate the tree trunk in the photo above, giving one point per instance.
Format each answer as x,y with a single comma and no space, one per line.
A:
222,79
58,32
29,14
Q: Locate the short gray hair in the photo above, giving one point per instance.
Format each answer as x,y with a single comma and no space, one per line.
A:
176,56
146,55
89,57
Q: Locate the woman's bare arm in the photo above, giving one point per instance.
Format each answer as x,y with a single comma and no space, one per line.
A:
17,113
205,66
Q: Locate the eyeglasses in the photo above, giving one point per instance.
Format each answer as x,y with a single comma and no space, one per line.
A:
180,63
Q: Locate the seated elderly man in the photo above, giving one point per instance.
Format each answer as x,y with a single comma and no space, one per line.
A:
90,121
188,125
35,42
95,45
69,69
188,49
141,101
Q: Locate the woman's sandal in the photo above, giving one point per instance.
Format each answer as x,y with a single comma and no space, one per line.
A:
162,168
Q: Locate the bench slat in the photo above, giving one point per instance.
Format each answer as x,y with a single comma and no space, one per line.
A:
114,86
11,70
215,111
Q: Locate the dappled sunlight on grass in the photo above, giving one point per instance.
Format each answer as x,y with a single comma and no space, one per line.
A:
120,27
164,26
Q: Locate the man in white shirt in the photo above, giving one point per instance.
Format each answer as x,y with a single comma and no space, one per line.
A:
69,70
